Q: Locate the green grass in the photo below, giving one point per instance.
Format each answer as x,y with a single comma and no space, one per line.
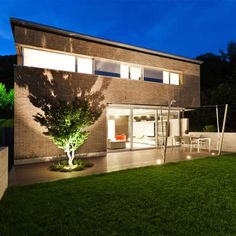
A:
187,198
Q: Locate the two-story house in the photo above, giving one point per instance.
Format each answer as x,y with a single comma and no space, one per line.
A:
132,85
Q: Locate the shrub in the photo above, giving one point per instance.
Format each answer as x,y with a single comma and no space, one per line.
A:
62,166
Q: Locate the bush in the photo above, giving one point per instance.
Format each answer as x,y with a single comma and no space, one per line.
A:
63,166
209,128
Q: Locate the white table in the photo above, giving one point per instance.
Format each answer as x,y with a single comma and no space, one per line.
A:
199,140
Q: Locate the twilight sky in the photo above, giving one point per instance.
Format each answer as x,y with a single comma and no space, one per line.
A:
183,27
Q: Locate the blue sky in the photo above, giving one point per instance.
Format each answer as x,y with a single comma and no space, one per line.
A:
184,27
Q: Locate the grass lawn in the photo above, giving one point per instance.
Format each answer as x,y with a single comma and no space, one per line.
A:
186,198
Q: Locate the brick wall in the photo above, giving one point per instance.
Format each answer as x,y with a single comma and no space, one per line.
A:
33,85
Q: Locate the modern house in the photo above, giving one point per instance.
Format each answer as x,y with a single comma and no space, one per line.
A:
132,85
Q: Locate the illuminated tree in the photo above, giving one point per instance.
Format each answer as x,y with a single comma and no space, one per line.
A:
66,124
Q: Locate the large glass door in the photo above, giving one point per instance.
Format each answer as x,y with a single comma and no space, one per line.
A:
144,128
118,129
131,128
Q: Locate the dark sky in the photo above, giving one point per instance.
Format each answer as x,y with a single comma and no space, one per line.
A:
184,27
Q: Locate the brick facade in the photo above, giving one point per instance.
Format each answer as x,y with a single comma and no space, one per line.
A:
32,84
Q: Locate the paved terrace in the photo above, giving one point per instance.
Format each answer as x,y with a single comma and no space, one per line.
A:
37,173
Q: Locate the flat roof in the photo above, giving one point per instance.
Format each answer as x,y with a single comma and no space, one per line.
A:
46,28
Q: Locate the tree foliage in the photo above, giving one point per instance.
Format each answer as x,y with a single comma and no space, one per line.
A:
66,124
218,85
6,98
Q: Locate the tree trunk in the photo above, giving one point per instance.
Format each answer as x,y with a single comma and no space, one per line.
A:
70,158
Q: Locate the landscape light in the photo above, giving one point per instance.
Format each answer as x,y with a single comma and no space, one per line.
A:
159,162
188,157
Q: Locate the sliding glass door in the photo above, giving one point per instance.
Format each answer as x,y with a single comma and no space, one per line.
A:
144,128
130,128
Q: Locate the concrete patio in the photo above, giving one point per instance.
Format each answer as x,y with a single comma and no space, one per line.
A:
37,173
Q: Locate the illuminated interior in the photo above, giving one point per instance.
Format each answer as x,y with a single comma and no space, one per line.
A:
48,60
98,66
85,65
141,128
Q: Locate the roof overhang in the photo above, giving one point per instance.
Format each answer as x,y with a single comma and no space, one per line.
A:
45,28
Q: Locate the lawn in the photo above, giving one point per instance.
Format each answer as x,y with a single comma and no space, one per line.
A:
186,198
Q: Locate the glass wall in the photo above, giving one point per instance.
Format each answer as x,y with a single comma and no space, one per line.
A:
144,128
118,129
141,128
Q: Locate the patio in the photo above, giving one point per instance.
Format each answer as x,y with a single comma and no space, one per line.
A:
37,173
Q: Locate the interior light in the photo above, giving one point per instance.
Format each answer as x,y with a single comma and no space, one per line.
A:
166,79
174,78
85,65
48,60
124,71
135,73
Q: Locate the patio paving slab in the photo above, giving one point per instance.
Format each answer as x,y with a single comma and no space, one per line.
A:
39,172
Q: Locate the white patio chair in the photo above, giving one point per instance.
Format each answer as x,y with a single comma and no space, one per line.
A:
187,141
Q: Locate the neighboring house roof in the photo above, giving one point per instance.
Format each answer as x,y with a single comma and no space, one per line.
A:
45,28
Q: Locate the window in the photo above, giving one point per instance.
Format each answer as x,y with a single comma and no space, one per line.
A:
170,78
85,65
107,68
135,73
124,71
166,79
48,60
174,78
153,75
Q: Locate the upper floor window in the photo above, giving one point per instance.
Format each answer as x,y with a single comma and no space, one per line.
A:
48,60
124,71
135,73
85,65
153,75
171,78
107,68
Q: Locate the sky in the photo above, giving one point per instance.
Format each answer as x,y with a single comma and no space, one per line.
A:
183,27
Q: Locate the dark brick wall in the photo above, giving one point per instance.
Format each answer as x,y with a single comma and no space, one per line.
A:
32,84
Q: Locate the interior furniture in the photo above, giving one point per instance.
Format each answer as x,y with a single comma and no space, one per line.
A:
115,144
121,137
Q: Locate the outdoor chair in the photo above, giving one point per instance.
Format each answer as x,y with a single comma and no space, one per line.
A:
176,141
203,142
187,141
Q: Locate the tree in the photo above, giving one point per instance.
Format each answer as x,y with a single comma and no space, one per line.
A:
6,98
218,83
66,124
